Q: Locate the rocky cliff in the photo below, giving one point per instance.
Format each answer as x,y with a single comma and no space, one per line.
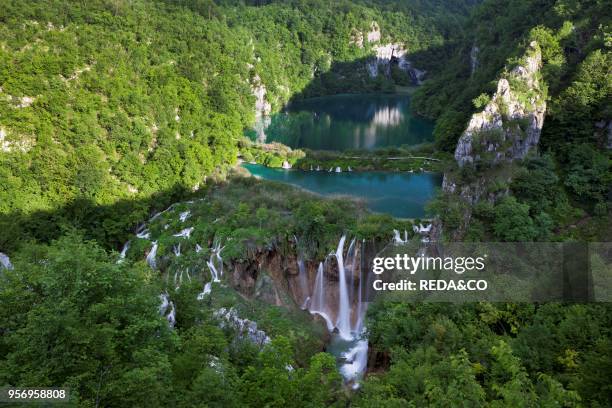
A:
510,124
507,129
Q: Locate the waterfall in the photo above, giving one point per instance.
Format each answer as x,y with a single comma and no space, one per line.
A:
184,215
397,238
164,304
215,254
215,273
5,262
350,308
207,289
144,234
303,281
357,359
177,249
123,253
349,267
317,302
343,321
163,307
338,169
185,233
151,256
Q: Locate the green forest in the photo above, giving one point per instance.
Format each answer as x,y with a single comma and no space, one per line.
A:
123,127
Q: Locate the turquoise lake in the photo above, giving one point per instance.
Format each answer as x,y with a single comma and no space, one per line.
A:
344,122
402,195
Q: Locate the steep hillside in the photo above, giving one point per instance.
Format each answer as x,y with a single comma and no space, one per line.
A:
562,111
144,100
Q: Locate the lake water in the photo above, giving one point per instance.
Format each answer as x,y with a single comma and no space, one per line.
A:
402,195
343,122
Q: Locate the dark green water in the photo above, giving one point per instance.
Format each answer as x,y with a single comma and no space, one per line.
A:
402,195
343,122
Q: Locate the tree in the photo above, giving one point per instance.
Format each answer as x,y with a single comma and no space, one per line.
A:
78,319
512,221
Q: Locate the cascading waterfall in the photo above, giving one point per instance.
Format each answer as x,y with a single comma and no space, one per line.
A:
184,215
216,255
343,322
185,233
317,302
163,307
144,234
215,273
350,310
151,256
397,239
5,262
123,253
303,280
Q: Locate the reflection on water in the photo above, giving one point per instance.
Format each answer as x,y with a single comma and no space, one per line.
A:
402,195
344,122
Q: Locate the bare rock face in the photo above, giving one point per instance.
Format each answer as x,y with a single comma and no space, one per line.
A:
15,143
507,129
392,53
263,108
374,33
510,124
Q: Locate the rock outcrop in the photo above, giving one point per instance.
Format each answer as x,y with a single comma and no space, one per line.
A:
263,108
511,123
15,143
507,129
392,53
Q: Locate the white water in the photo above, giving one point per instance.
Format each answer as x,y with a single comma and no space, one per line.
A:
163,307
151,256
349,320
144,234
397,239
303,281
343,322
215,256
123,253
207,289
185,233
357,360
317,302
5,262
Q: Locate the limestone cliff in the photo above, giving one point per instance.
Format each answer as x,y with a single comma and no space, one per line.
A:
511,122
507,129
385,55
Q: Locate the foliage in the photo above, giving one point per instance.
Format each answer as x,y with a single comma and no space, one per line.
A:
487,354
